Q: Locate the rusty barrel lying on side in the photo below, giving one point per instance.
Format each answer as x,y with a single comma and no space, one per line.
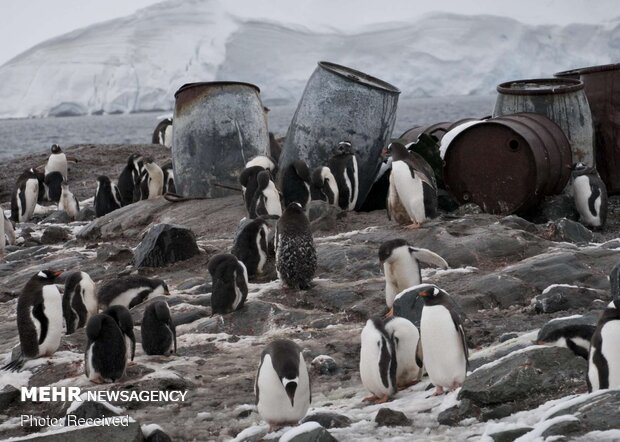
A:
218,127
602,87
342,104
508,164
562,100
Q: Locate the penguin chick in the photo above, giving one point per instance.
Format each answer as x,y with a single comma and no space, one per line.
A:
129,177
123,319
249,185
230,283
68,202
266,200
378,363
343,165
130,291
152,184
295,252
408,348
282,385
158,331
590,196
79,301
25,196
105,356
251,247
325,184
107,197
604,356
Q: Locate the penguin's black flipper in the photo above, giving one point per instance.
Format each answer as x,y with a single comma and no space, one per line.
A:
459,327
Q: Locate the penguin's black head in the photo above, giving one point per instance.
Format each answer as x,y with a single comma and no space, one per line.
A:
430,293
393,147
56,148
388,247
148,160
344,148
102,179
48,276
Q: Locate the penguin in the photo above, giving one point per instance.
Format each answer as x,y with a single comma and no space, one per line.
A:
79,301
412,196
158,332
39,318
169,186
129,177
163,133
377,196
57,162
325,186
590,196
123,319
343,165
105,356
408,348
9,231
576,337
53,186
24,197
378,363
443,340
266,200
401,266
43,191
130,291
604,356
295,184
230,283
282,385
68,202
263,161
152,184
251,247
107,196
295,252
249,184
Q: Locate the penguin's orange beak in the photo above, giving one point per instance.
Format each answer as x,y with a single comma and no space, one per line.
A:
424,294
56,274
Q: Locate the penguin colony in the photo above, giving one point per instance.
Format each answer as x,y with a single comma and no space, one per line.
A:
394,354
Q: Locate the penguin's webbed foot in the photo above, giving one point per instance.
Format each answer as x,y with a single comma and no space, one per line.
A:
438,391
389,314
413,226
376,400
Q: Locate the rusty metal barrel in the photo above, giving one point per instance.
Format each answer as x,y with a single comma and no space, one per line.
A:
342,104
508,164
562,100
602,87
218,127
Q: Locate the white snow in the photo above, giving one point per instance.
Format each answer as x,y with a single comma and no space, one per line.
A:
17,379
301,429
552,286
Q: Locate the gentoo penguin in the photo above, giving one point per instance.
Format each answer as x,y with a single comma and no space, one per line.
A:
443,340
401,266
377,196
158,333
39,318
230,283
295,252
68,202
105,357
152,184
43,191
282,386
249,184
129,177
25,196
575,335
378,363
107,196
163,133
169,186
266,200
123,319
408,348
130,291
604,356
343,165
263,161
325,184
295,184
57,162
251,246
53,186
78,301
412,197
590,196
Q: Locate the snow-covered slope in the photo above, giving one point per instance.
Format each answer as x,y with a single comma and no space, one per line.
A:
136,63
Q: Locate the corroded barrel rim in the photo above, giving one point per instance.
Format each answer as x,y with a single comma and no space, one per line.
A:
214,83
588,70
556,86
358,77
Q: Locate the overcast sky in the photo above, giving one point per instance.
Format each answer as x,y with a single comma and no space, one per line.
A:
29,22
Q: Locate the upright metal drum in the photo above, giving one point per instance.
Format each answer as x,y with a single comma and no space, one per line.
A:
218,127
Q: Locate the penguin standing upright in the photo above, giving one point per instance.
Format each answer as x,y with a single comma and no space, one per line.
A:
378,363
79,301
123,319
295,252
107,196
163,133
324,182
408,348
412,197
24,197
401,267
105,357
152,184
57,162
53,186
295,184
39,318
130,291
249,184
282,385
129,177
230,283
443,340
158,332
169,186
266,200
251,246
68,202
604,356
343,165
590,196
9,231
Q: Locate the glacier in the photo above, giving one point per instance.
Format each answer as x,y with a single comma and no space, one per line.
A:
136,63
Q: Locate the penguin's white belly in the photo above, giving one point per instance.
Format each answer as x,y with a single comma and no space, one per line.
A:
127,296
52,301
274,404
262,255
410,191
370,374
31,196
593,372
68,204
444,358
581,193
272,200
128,345
168,136
610,334
156,184
407,369
57,163
88,295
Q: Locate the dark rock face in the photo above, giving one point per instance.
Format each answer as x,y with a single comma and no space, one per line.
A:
570,231
560,298
165,244
86,214
387,417
318,434
556,207
54,235
57,217
510,435
7,395
328,420
113,253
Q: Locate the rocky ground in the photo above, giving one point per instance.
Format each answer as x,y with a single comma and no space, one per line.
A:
509,276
